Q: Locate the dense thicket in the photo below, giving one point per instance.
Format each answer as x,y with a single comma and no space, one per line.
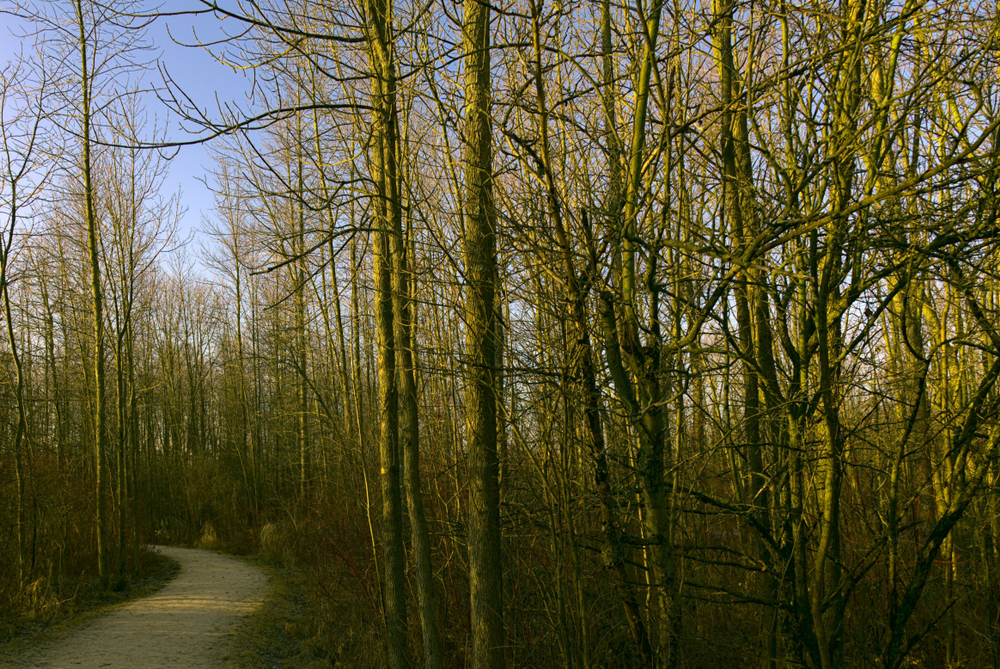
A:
541,334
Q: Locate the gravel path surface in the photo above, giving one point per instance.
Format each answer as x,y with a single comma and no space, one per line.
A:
184,625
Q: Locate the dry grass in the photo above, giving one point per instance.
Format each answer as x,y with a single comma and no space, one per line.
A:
316,614
280,634
46,615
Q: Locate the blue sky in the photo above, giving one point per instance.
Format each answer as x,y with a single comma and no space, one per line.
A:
200,76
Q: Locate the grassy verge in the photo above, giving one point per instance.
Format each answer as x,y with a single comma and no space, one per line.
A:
319,612
277,635
22,629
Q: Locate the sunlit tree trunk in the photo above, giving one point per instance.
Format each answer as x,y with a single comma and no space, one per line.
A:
479,256
93,246
383,159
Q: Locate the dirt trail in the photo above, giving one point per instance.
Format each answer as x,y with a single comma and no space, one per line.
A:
184,625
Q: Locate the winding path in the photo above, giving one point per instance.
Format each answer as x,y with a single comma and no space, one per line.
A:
183,626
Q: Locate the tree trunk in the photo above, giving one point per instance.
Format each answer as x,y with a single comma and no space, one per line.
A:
93,247
485,561
383,157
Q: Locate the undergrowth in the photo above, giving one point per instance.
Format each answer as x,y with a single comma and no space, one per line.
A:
317,614
82,600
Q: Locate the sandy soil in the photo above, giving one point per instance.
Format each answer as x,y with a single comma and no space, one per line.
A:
184,625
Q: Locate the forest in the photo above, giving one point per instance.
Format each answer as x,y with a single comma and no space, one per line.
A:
539,333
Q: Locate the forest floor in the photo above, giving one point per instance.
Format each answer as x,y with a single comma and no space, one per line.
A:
188,624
